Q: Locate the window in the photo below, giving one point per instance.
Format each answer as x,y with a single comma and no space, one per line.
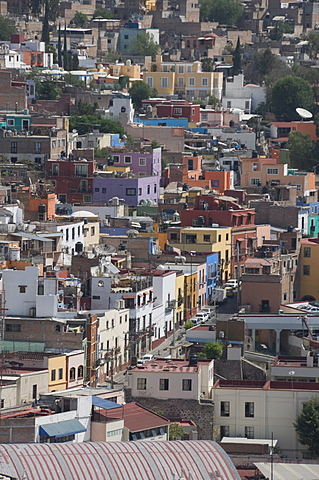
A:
72,374
112,433
149,81
141,384
180,68
249,409
80,371
307,252
247,105
204,82
224,409
155,188
34,391
180,82
219,238
92,231
53,375
53,143
130,192
22,289
189,68
125,37
255,181
191,81
116,159
2,403
14,147
103,190
215,183
164,82
148,189
249,432
127,159
81,171
58,328
37,147
165,68
306,270
10,122
173,236
228,104
139,192
272,171
177,111
187,385
13,327
87,198
164,384
206,238
224,431
142,162
60,373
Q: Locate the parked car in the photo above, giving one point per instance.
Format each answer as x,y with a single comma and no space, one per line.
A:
232,283
202,317
208,311
218,296
147,357
229,291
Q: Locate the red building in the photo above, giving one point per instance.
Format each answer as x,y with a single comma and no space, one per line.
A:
174,109
72,176
224,211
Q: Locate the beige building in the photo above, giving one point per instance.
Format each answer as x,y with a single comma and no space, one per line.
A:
258,409
167,379
185,79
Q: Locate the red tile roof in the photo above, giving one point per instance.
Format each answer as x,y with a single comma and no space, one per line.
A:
137,417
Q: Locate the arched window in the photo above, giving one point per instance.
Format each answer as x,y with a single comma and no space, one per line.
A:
80,371
72,374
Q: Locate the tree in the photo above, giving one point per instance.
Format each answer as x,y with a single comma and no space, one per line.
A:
176,431
124,80
144,44
84,124
189,324
301,151
266,67
307,425
80,19
59,47
237,58
226,12
279,30
213,350
102,13
6,28
45,37
288,93
313,45
139,91
47,90
207,64
157,410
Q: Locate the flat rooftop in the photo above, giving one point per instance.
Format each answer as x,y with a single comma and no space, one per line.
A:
162,365
268,385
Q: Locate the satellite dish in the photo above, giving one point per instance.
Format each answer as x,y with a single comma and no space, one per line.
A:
303,113
57,268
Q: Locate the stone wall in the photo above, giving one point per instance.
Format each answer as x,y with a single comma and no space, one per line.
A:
178,408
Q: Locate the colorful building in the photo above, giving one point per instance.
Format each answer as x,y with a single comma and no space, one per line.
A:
309,269
185,79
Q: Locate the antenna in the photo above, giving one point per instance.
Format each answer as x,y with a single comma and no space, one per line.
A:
303,113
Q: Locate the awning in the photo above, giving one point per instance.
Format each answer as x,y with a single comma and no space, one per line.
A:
104,403
62,429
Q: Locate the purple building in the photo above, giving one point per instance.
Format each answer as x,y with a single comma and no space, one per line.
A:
145,164
132,190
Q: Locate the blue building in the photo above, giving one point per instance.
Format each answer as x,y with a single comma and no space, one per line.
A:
211,273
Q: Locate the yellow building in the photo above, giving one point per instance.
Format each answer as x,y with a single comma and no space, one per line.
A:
113,72
179,295
185,79
190,294
205,240
57,373
309,268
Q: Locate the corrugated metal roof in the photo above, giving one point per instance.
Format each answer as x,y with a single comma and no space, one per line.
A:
293,471
104,403
116,460
62,429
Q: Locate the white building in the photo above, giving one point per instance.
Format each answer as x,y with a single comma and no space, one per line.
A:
167,379
28,295
257,409
164,283
73,235
245,97
121,105
113,341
